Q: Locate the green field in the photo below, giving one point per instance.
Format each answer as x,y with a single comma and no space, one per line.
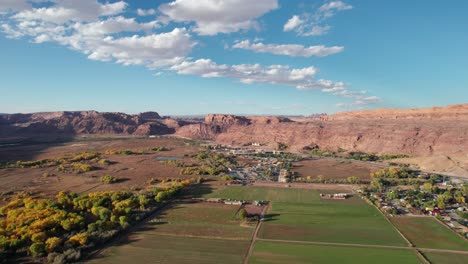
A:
202,220
446,258
274,252
153,248
185,233
298,214
426,232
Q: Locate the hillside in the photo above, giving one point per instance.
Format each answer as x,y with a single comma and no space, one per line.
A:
436,138
440,133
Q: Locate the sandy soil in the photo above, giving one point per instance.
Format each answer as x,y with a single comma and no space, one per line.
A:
334,169
131,170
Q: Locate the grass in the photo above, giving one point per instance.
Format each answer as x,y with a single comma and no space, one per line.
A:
153,248
203,220
426,232
185,233
276,252
446,258
298,214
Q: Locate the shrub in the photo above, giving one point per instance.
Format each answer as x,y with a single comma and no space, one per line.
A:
243,214
104,162
52,243
38,237
37,249
108,179
79,239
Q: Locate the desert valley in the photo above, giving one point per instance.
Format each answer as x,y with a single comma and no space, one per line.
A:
251,189
233,132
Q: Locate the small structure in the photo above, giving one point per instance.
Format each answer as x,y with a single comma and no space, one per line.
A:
214,200
338,196
283,176
233,202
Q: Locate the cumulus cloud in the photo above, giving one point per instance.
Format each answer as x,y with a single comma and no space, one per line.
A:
361,101
13,5
252,73
213,16
67,10
312,24
146,12
100,31
153,50
113,25
292,23
94,29
293,50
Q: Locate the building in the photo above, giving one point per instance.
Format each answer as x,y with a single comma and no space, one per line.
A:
283,176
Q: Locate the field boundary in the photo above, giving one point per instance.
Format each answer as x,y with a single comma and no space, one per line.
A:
363,245
448,227
410,244
254,236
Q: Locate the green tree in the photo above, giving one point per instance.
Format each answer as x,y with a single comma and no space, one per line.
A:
353,180
37,249
243,214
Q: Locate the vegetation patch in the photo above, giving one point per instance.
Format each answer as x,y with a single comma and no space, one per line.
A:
427,232
108,179
202,220
298,214
278,252
153,248
70,223
446,258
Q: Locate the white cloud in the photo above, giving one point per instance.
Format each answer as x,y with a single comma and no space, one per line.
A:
113,25
250,73
152,51
67,10
293,50
317,31
13,5
92,28
214,16
334,5
292,23
97,30
146,12
309,24
361,101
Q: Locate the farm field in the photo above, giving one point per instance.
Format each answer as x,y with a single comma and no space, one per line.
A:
149,247
187,232
297,214
333,169
278,252
201,220
426,232
446,258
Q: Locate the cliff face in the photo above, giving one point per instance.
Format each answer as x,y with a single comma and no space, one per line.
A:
83,122
416,132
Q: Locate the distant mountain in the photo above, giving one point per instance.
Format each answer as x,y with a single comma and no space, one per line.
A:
437,131
53,124
428,132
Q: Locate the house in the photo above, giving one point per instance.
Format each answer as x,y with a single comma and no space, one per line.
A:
283,176
214,200
233,202
435,212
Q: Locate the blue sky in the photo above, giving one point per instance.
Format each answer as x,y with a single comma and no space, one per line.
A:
233,56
